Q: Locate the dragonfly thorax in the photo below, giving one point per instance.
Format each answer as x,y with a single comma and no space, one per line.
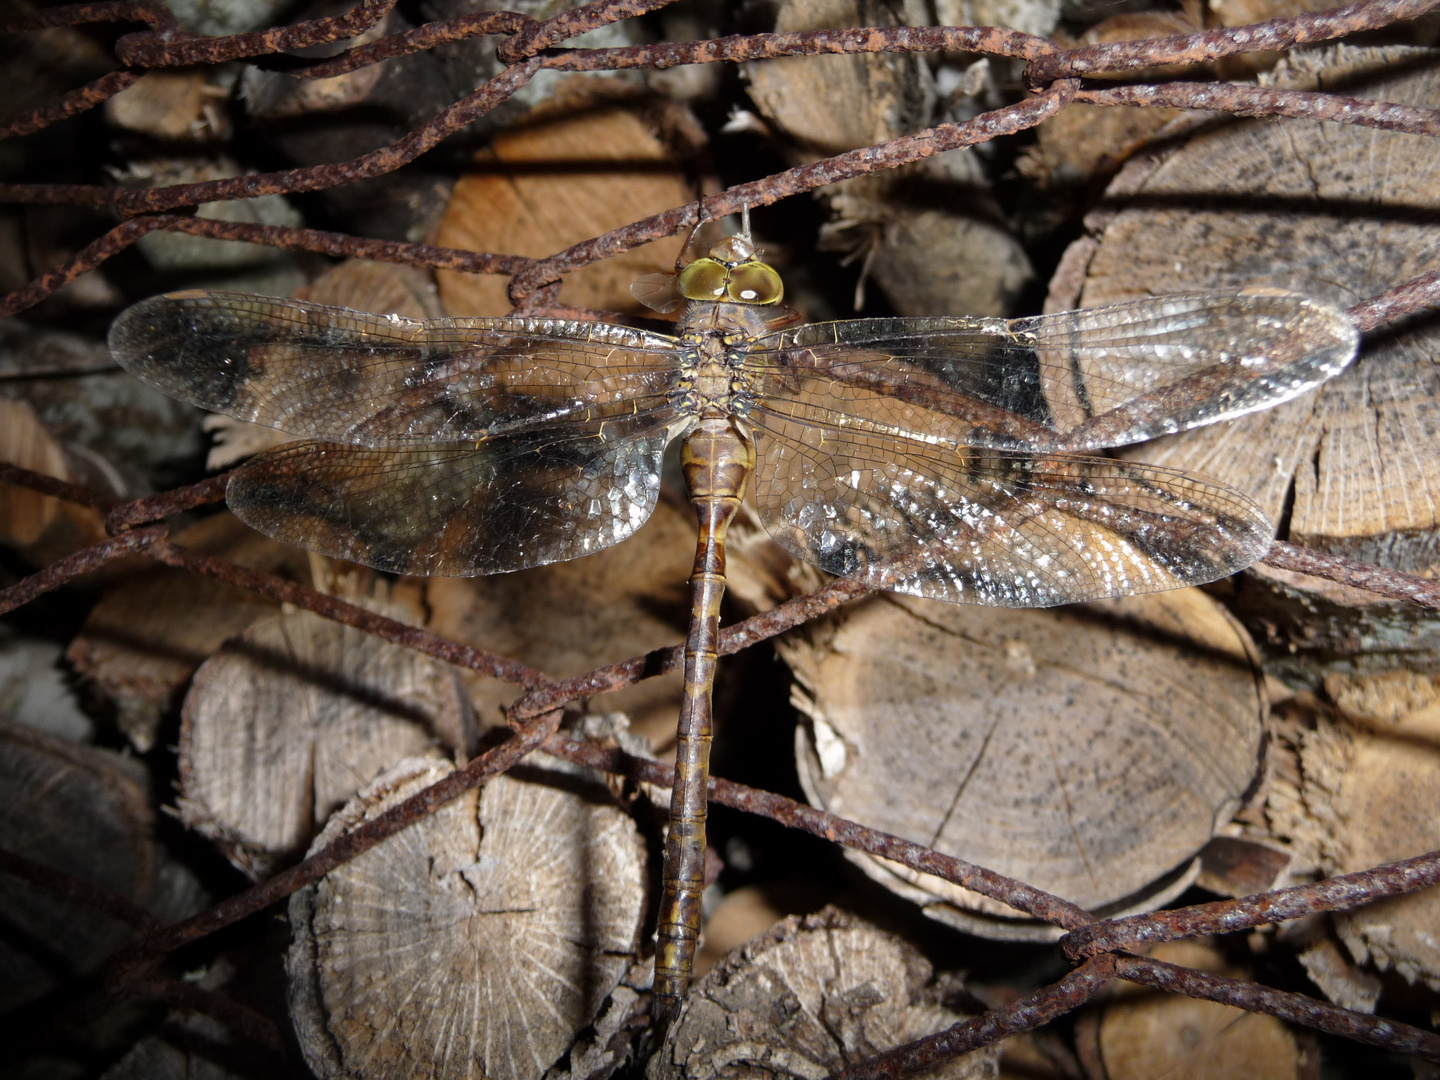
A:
712,381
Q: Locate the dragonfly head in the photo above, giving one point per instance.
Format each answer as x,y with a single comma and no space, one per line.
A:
732,272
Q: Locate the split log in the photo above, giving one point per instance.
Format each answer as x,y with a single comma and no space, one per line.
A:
1340,213
1089,752
807,998
476,943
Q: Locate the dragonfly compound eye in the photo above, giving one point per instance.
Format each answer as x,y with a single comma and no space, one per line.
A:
755,283
704,279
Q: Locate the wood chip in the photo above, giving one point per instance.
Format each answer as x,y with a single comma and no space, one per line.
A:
1084,142
174,106
927,258
1072,751
475,943
809,997
287,721
1032,16
1350,798
1331,969
82,811
1385,806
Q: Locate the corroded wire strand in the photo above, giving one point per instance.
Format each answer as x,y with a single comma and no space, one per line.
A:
1265,101
1294,1008
81,562
1343,893
1270,36
1030,1012
888,155
340,245
164,50
72,104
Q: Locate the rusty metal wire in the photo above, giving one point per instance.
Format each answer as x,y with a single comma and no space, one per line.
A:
137,960
391,630
156,16
72,104
288,181
1227,916
531,48
50,485
1296,1008
340,245
1395,303
68,887
1392,584
568,24
1033,1011
1261,101
1088,939
1210,45
420,39
73,566
169,49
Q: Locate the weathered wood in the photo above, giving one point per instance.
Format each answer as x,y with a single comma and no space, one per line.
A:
568,618
336,119
143,641
1340,213
175,106
85,812
290,719
1146,1035
805,999
829,104
41,527
931,236
580,165
1351,797
1091,753
477,942
1085,143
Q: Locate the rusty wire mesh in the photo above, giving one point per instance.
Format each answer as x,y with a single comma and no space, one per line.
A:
1100,948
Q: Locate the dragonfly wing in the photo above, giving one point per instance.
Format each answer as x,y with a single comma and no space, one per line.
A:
1076,380
508,503
336,375
998,527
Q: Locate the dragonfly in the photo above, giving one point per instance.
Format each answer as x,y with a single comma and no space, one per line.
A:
950,458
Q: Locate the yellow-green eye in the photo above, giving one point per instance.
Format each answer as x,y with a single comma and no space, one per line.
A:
704,279
755,283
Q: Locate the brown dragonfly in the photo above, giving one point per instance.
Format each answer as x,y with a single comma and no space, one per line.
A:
951,458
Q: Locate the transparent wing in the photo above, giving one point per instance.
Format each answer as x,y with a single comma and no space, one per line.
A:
508,503
380,380
1077,380
1000,527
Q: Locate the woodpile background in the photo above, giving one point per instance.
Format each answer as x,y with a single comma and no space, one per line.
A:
245,832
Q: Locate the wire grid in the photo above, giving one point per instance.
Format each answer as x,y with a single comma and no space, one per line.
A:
1100,948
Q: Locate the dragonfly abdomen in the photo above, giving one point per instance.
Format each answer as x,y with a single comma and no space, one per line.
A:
717,457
